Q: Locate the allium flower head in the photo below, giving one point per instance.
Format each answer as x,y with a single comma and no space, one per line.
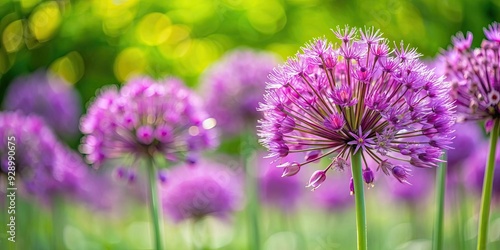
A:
44,165
143,119
234,86
358,97
474,75
49,97
207,188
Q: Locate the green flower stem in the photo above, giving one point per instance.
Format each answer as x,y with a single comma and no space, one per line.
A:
58,221
248,148
437,242
487,186
155,205
359,195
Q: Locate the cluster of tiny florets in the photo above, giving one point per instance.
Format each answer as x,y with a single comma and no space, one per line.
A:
474,75
145,118
359,96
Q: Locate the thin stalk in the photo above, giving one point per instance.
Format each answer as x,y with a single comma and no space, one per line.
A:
58,221
248,154
437,242
360,200
253,208
155,205
487,188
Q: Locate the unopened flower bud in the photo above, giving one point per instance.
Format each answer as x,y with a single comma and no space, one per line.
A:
351,186
401,174
311,155
289,168
317,178
368,176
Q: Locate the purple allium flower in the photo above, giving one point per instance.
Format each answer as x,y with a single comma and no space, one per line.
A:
276,190
45,166
358,97
197,191
467,138
49,97
473,74
143,119
234,86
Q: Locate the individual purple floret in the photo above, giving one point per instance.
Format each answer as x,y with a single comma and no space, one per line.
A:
359,96
44,166
144,119
474,76
234,86
49,97
207,188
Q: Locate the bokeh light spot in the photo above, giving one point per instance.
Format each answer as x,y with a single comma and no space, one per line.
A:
12,37
154,29
267,18
28,4
70,67
130,62
193,131
45,20
209,123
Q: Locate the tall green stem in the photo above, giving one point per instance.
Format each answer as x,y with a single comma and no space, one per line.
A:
484,214
155,205
357,175
437,242
248,153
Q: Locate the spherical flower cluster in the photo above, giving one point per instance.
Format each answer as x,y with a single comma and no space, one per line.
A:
207,188
474,75
143,119
234,86
45,166
49,97
360,97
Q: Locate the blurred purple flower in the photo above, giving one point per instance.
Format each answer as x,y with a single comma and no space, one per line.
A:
234,86
275,190
421,186
473,74
475,170
143,119
334,194
45,166
49,97
468,137
362,97
207,188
